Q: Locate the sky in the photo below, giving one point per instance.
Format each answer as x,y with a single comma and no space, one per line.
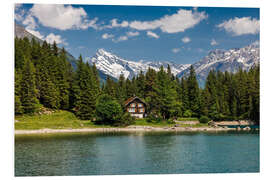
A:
182,35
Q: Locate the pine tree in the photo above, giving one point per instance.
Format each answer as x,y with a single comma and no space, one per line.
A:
19,54
140,83
205,102
63,83
18,104
28,88
130,88
193,92
35,52
184,98
211,92
166,96
149,91
254,98
96,74
110,87
86,91
169,72
47,78
48,92
121,89
54,49
86,105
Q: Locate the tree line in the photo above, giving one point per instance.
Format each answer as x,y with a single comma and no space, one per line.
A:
45,78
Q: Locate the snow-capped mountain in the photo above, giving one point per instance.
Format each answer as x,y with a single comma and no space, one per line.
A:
226,60
114,66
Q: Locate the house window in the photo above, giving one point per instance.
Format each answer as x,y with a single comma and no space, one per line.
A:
140,105
141,110
131,110
132,105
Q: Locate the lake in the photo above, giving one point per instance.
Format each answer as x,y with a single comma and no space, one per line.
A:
136,153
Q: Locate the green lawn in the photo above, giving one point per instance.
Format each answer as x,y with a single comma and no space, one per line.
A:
187,119
67,120
56,120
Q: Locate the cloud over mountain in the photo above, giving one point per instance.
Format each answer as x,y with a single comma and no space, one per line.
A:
241,26
178,22
61,16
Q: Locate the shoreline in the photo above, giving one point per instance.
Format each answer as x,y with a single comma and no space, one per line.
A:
130,129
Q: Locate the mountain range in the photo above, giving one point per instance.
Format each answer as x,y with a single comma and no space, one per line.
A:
220,60
113,65
226,60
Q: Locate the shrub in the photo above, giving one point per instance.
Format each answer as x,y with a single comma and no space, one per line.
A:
153,118
108,110
187,113
216,116
171,121
244,116
204,119
125,120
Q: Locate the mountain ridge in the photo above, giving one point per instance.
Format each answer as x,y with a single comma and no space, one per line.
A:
218,59
226,60
114,65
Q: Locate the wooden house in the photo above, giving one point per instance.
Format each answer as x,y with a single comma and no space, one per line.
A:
136,107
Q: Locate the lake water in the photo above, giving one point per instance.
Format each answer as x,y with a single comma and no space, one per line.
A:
136,153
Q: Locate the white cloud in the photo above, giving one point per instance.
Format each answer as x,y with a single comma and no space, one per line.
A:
175,50
121,38
49,38
30,22
89,23
114,23
152,34
214,42
186,40
31,25
241,26
131,34
62,17
19,12
178,22
57,38
107,36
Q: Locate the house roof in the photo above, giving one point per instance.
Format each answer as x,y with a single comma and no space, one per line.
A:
129,100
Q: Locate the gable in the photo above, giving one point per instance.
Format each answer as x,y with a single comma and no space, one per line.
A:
134,100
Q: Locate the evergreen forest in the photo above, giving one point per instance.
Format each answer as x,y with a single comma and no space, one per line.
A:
44,78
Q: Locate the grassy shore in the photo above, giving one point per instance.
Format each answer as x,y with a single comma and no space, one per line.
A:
56,120
187,119
67,120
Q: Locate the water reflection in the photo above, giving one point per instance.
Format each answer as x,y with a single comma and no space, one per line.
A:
136,153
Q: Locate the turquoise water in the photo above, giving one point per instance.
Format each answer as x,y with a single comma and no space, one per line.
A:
136,153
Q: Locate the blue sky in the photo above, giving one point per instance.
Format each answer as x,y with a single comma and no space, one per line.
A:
179,34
